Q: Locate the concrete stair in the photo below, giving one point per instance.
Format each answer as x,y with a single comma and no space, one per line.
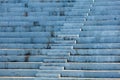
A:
59,40
51,68
48,75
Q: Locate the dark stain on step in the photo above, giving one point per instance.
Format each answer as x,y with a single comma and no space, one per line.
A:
1,2
26,14
36,23
26,5
27,56
62,13
14,61
115,18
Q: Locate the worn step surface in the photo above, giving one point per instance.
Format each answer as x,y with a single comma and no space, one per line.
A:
88,34
73,52
58,54
90,28
47,75
51,68
65,78
55,60
60,66
62,59
59,40
64,73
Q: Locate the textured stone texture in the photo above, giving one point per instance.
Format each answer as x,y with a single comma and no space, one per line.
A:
59,40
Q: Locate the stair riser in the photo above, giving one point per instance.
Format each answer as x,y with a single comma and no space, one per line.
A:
62,60
91,28
73,52
68,66
63,73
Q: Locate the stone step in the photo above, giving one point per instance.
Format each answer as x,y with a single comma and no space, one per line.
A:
50,23
75,19
107,3
96,52
75,13
50,4
73,52
98,40
65,41
24,34
61,59
58,54
15,23
53,1
90,28
67,66
104,12
18,72
98,59
103,17
83,2
16,78
93,5
27,29
51,68
86,46
33,18
84,51
12,14
37,18
39,13
86,74
70,30
67,35
31,23
73,24
14,1
46,9
81,6
63,78
87,34
31,51
31,58
43,13
61,47
43,40
86,66
20,65
97,3
24,46
55,60
106,22
12,5
97,46
60,13
47,75
27,58
112,7
37,9
37,4
48,1
80,10
26,40
45,51
93,40
67,78
64,73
